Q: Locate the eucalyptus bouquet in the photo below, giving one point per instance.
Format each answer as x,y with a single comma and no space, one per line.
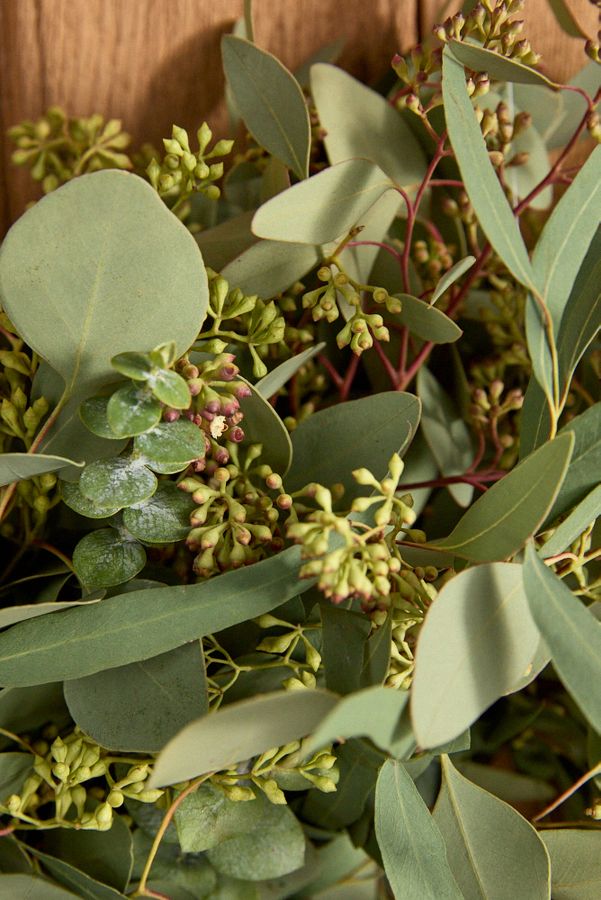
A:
301,571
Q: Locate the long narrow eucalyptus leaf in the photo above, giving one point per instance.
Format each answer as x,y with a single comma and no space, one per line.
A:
19,466
581,516
142,624
498,67
482,185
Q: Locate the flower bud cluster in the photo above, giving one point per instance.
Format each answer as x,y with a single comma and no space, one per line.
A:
348,558
491,23
499,129
183,172
61,772
432,259
56,148
235,521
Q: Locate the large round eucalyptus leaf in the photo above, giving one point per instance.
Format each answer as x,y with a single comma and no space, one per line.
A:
132,410
170,388
119,481
103,558
170,446
100,267
75,500
165,517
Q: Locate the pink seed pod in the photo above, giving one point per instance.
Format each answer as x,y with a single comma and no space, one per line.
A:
213,406
243,391
228,372
171,415
235,434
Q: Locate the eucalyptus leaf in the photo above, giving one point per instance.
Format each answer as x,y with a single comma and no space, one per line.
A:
157,697
241,730
344,636
374,713
14,769
500,522
358,122
20,466
539,348
269,267
583,472
270,101
163,518
207,818
132,410
481,183
324,206
583,515
105,278
581,318
170,388
330,444
224,242
276,379
93,414
329,53
571,633
575,862
170,446
574,106
498,67
12,614
91,639
273,848
74,879
427,322
103,558
117,482
262,425
133,365
449,278
493,852
359,764
446,434
477,640
412,848
31,887
79,503
103,855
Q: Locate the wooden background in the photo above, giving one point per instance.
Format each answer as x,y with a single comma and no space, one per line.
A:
153,63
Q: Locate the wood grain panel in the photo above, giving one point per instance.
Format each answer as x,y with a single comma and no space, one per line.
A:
156,62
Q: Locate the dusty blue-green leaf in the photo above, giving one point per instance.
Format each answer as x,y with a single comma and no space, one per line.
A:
14,769
535,418
20,466
75,500
411,845
269,267
13,857
581,319
103,558
571,633
580,518
450,277
170,446
278,377
344,635
359,122
170,388
329,445
106,282
359,764
539,348
329,53
523,178
91,639
420,467
74,879
270,101
224,242
274,179
13,614
575,862
103,855
336,860
133,365
323,207
545,106
512,787
163,518
566,237
583,473
156,698
482,185
208,817
262,425
374,713
493,852
427,322
500,68
118,481
241,730
565,19
446,433
500,522
376,655
478,638
31,887
27,709
573,106
273,848
93,414
132,410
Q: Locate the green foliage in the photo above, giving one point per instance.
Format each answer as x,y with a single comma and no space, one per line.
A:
375,337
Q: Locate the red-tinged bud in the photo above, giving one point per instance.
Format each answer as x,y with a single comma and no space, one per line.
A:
221,456
199,465
235,434
213,406
230,408
228,372
171,415
243,391
195,386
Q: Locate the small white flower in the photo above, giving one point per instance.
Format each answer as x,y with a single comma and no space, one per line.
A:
218,426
